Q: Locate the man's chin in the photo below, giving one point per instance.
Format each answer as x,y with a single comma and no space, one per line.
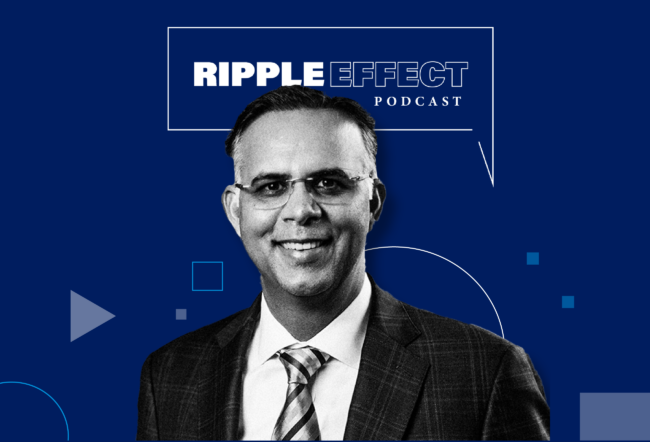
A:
304,283
305,288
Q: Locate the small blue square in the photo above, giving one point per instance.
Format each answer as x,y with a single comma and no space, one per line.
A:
207,276
567,301
181,314
532,258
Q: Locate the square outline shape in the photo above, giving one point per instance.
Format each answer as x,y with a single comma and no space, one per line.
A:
207,262
532,258
568,301
181,312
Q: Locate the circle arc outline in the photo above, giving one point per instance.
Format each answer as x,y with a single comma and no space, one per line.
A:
451,262
57,404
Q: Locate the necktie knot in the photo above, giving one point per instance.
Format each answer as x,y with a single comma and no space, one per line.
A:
302,363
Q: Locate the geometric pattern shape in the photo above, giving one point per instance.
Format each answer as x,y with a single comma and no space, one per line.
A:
85,316
454,264
614,416
567,301
532,258
181,314
207,276
57,404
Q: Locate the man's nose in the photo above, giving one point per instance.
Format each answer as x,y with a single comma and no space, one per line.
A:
301,206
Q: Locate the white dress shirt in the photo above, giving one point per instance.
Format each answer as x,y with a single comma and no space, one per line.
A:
265,381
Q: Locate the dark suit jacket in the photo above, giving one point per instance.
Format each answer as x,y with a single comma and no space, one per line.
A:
422,376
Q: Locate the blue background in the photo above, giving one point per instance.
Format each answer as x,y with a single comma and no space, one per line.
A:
98,197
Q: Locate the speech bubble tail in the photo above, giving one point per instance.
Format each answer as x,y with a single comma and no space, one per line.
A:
490,173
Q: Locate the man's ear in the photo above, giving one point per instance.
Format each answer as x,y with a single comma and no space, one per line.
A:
377,201
230,202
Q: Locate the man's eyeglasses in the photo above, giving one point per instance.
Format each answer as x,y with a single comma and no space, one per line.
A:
335,187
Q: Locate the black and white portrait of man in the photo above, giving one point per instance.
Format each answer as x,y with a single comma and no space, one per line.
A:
323,352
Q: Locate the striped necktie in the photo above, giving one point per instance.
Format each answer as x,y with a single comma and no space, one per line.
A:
298,418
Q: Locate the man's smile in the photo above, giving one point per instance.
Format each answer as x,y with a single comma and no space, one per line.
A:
303,251
301,246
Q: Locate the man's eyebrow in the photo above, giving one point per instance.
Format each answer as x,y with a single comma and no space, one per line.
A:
332,171
271,176
335,171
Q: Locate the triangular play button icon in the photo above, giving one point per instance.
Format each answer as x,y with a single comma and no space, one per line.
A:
85,316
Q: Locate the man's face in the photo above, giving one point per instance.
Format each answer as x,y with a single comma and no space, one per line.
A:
281,241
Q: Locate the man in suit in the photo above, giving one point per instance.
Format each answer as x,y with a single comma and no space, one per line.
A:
323,352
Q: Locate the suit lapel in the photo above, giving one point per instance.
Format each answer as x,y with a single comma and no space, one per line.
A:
390,378
219,396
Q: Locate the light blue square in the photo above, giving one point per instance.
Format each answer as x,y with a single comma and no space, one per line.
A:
567,301
532,258
614,416
207,276
181,314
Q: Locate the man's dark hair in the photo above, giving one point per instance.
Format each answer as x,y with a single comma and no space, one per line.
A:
288,98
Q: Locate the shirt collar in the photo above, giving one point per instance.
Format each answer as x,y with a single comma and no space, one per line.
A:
342,339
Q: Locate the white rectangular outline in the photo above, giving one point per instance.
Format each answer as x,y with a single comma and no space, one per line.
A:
344,27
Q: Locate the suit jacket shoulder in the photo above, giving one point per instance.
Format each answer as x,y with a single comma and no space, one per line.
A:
192,346
191,383
477,385
456,341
